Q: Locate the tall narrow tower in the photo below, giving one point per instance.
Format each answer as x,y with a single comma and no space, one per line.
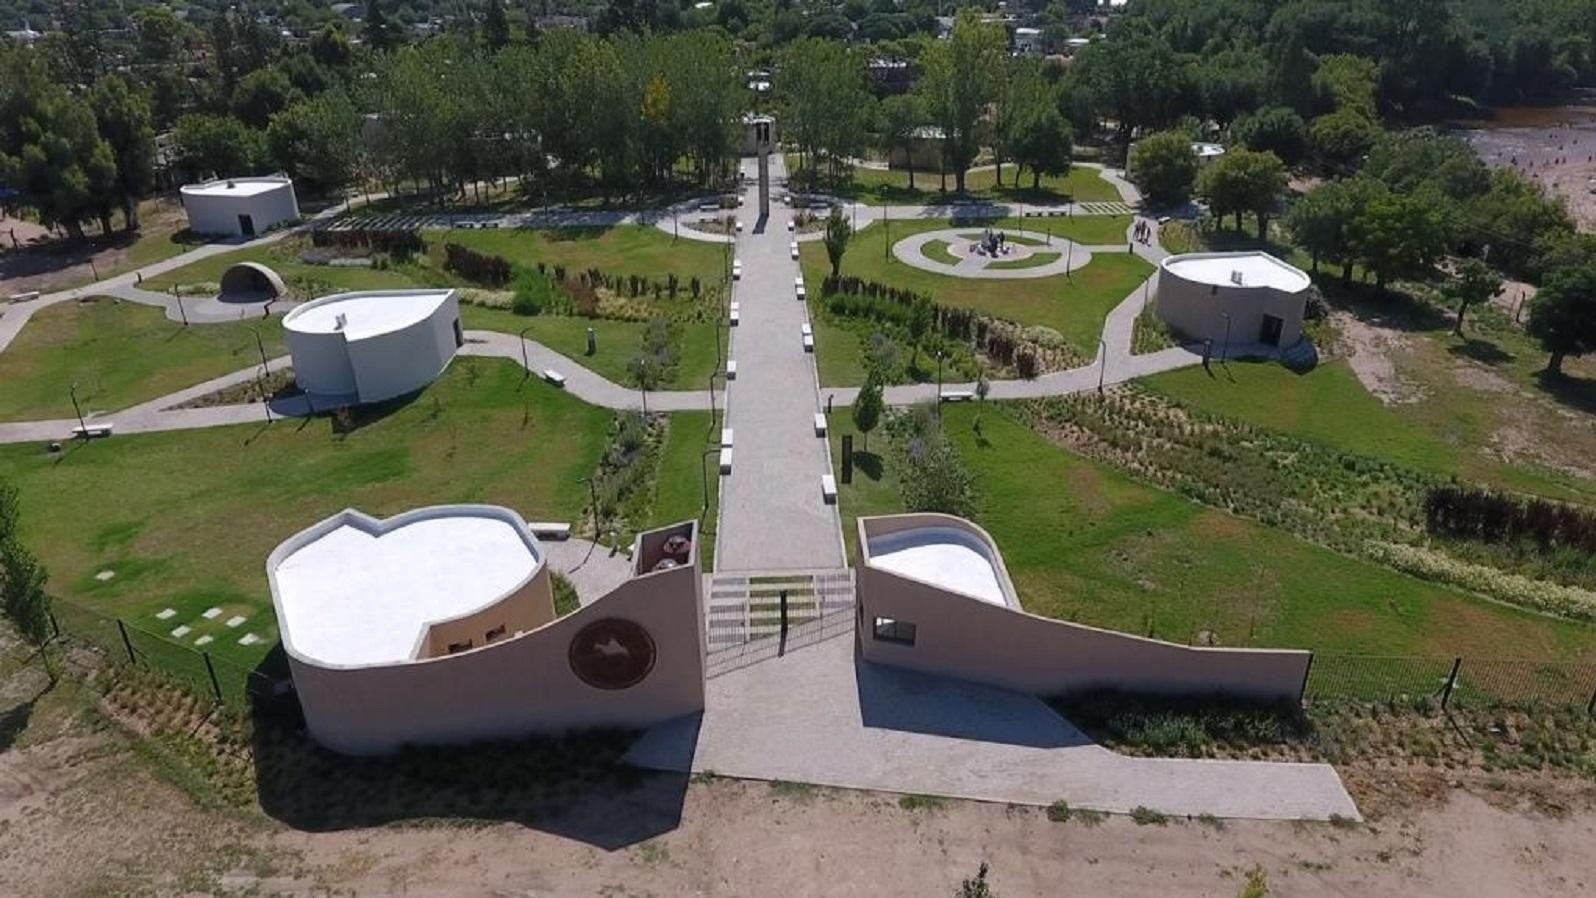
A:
762,151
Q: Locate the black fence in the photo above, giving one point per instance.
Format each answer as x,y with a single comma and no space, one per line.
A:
225,681
1451,682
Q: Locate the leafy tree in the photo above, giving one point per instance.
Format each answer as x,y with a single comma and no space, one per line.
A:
1321,222
935,478
1136,80
1164,167
380,34
838,233
1243,181
826,100
1231,83
1347,83
22,579
495,25
1041,141
217,145
1341,139
331,49
1276,129
317,141
1410,160
1517,221
1473,284
262,94
1563,315
868,407
51,151
1396,235
959,84
898,118
122,113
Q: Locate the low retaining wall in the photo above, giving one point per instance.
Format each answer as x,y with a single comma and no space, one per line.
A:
960,636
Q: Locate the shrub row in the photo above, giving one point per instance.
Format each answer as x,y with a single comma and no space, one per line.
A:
401,244
480,268
1498,518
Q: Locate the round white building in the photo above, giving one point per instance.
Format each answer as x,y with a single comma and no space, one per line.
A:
240,206
372,345
1241,298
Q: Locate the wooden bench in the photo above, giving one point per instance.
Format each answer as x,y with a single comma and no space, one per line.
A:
554,377
957,395
820,424
93,431
731,370
828,489
25,297
549,530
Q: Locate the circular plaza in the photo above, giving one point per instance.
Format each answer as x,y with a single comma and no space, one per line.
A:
976,252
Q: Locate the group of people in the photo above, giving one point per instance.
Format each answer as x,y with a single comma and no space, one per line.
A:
1142,232
994,243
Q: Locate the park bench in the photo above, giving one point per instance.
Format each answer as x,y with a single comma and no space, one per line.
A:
731,369
828,489
93,431
725,437
737,270
25,297
957,395
549,530
554,377
794,248
820,424
725,459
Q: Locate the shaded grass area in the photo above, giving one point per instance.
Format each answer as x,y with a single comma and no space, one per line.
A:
1075,306
938,251
1081,184
186,519
680,487
618,342
118,354
1086,543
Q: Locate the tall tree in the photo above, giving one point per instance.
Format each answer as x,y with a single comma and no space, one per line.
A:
1165,167
1397,235
380,34
1473,284
1243,181
826,101
317,141
495,25
898,118
867,408
22,579
1041,141
1321,222
838,233
50,147
1563,315
959,83
217,145
122,113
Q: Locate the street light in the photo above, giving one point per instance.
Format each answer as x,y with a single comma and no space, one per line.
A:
939,384
524,362
260,381
1102,369
83,429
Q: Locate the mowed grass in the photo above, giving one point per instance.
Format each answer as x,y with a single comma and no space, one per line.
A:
1081,184
283,258
679,494
118,354
186,519
618,343
642,250
1086,543
1075,306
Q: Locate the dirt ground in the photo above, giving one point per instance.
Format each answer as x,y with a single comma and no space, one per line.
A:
87,810
1553,146
47,261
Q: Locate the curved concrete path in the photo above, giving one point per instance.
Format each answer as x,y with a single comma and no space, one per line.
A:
1071,256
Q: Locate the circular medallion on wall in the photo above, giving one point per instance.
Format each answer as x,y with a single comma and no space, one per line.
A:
613,653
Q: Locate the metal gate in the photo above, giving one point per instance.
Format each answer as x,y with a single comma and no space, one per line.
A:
754,616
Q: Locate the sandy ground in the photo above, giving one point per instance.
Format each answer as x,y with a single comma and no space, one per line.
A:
1553,146
46,262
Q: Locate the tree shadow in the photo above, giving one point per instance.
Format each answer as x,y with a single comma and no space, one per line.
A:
1483,351
1384,308
13,722
868,463
1574,392
912,702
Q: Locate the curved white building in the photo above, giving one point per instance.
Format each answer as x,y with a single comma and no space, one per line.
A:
240,206
438,625
1242,298
373,345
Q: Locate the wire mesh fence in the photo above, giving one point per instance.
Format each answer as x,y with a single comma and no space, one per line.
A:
225,681
1457,681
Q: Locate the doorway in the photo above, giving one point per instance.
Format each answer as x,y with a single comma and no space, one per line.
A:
1269,333
246,225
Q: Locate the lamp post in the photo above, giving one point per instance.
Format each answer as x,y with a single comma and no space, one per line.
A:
525,364
260,382
1102,369
1225,354
83,429
939,384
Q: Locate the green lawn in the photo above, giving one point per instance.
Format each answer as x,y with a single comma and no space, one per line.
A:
118,354
680,491
618,342
1074,306
186,519
1086,543
938,251
625,250
1034,260
283,258
878,186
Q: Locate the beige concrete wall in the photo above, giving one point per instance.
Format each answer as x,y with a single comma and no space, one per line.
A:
1194,310
524,610
963,637
517,686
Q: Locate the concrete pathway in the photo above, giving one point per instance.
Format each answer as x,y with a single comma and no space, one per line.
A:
591,567
580,382
1071,256
819,715
772,514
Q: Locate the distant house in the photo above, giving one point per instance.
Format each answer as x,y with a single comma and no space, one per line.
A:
354,12
26,35
1028,41
549,23
924,151
890,76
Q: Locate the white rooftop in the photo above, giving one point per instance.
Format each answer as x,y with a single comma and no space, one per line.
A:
236,186
365,314
1208,150
1254,269
942,556
356,595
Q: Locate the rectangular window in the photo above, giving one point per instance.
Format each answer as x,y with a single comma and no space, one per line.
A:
899,632
496,633
458,647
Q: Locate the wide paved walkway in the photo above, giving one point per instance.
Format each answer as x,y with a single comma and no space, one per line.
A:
819,715
772,513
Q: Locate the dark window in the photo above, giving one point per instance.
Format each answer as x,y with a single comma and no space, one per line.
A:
457,647
495,633
887,629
